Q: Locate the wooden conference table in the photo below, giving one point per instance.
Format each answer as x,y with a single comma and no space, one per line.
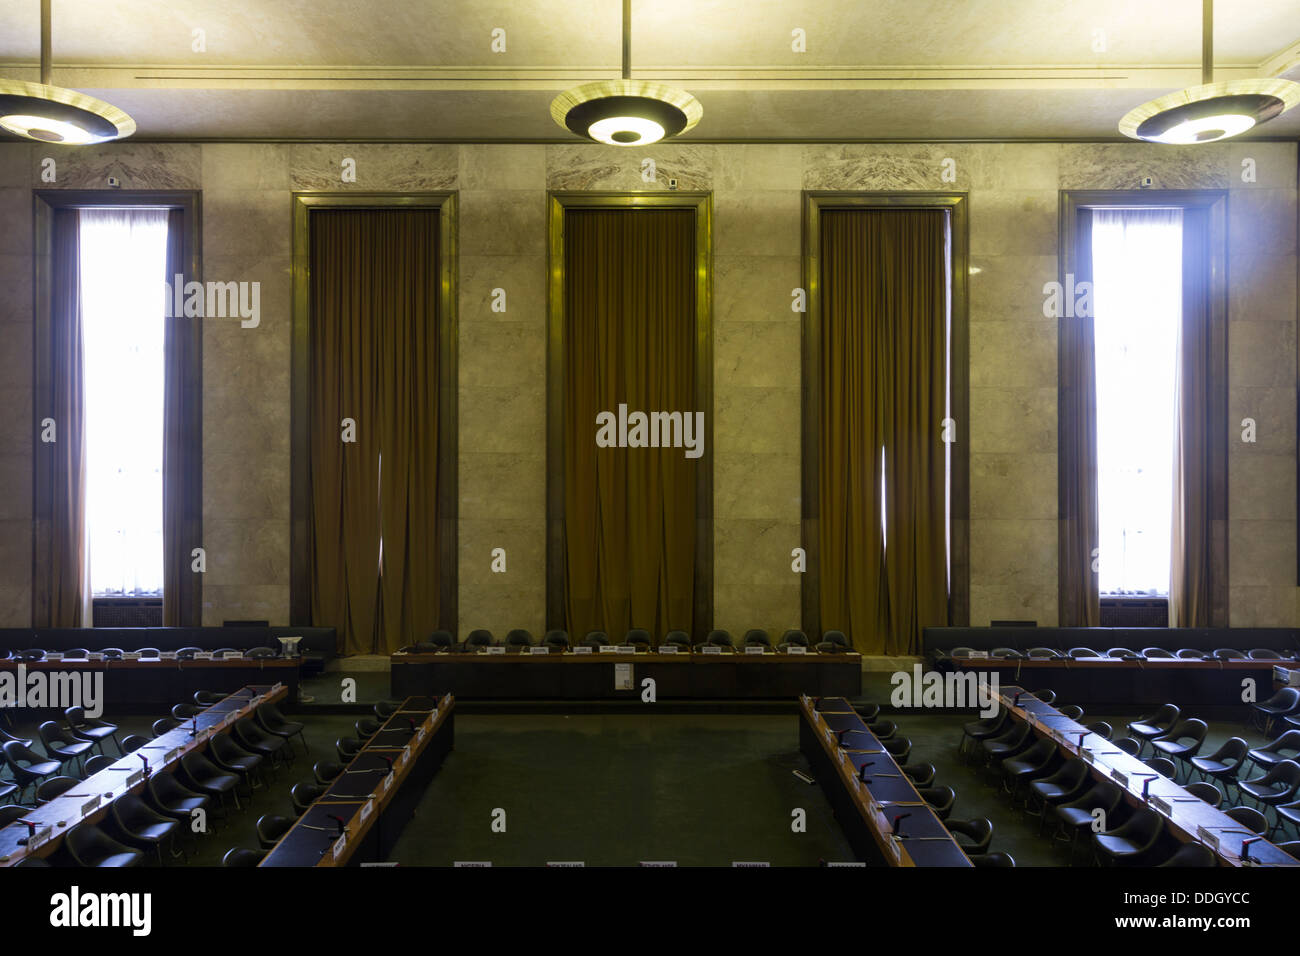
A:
550,674
146,684
89,800
359,818
1187,817
883,817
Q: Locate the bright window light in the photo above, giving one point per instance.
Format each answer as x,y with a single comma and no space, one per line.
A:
123,268
1137,304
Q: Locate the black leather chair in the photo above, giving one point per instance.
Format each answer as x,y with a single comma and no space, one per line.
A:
1077,653
719,638
1265,713
386,708
90,729
1207,792
595,639
939,799
1274,788
133,742
478,638
1124,654
833,642
993,860
1192,654
560,639
1250,818
270,828
1017,739
1163,766
1229,654
1101,729
793,638
1044,654
973,836
366,728
203,776
1154,725
12,812
326,771
638,637
232,758
61,746
188,653
347,748
883,729
261,653
141,826
173,799
757,637
253,738
921,774
1265,654
239,856
519,638
1129,745
1046,696
75,654
1192,854
977,731
1036,762
28,767
1284,747
94,765
1077,816
678,639
1071,711
275,723
1133,840
1065,784
1157,653
88,845
1224,764
1006,654
183,712
54,788
304,793
900,748
443,640
206,698
164,724
1183,741
149,653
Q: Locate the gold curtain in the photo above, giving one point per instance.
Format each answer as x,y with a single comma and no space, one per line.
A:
1077,525
60,465
628,338
182,487
1190,593
374,360
884,327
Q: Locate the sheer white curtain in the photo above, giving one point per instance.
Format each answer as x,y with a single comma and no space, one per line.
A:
1137,304
123,267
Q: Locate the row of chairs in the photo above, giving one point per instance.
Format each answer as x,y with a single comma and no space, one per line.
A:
1127,654
831,642
35,654
155,818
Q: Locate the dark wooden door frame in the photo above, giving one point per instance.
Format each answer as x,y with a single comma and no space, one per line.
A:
45,202
957,204
702,205
448,435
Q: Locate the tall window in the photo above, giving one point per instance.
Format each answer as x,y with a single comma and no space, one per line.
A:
123,262
1137,302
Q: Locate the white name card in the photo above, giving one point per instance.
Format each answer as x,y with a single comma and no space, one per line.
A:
231,655
1161,806
90,806
753,650
54,655
131,656
135,778
406,755
800,649
846,864
744,863
167,656
571,863
1208,837
581,649
1119,777
668,649
494,649
978,655
471,863
172,755
41,835
203,655
626,648
895,848
1087,755
710,649
340,844
419,734
539,650
95,656
367,808
658,863
607,649
388,782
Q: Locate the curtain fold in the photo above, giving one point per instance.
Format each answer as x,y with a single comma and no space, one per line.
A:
1078,530
182,455
373,360
883,562
1190,591
60,464
628,338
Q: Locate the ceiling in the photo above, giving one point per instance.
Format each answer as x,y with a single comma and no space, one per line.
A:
422,70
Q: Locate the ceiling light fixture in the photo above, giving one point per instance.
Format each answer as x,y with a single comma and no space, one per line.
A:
52,114
626,112
1211,111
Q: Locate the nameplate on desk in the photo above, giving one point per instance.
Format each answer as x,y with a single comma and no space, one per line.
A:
800,649
1120,777
173,754
90,806
607,649
753,650
494,649
232,655
1161,806
744,863
203,655
419,734
539,650
657,863
54,655
565,863
96,656
471,863
406,755
626,648
710,649
1087,755
978,655
583,649
386,783
131,656
1208,837
135,778
829,864
895,848
668,649
167,656
42,835
340,844
277,687
367,808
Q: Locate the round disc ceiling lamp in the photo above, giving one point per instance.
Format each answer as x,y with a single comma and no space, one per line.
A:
626,112
52,114
1211,111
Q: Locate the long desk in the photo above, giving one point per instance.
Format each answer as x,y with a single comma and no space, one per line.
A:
1185,815
872,813
1102,681
147,684
88,802
570,676
370,803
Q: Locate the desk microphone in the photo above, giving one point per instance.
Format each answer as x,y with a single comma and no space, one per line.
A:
1245,847
343,825
898,819
862,771
1016,701
411,721
194,726
144,760
31,831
